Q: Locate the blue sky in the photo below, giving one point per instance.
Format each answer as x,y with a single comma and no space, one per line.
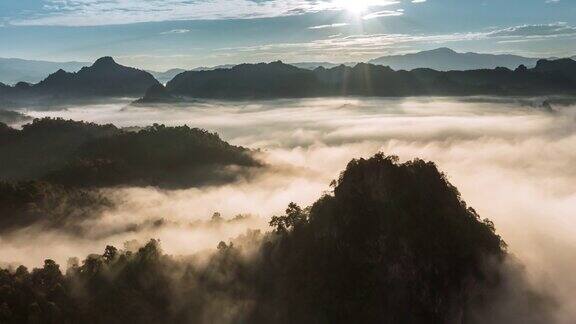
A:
160,34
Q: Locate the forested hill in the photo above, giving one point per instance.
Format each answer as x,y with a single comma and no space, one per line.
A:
394,243
89,155
51,169
279,80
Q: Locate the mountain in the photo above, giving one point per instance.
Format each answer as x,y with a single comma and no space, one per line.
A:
315,65
246,81
217,67
566,67
166,76
445,59
14,70
105,78
279,80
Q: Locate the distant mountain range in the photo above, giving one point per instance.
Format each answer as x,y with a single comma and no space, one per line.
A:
315,65
279,80
166,76
108,79
14,70
105,78
445,59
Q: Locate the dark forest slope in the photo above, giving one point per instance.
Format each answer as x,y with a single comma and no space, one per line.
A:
87,155
394,243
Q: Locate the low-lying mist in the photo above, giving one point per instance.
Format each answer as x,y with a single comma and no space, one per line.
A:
512,160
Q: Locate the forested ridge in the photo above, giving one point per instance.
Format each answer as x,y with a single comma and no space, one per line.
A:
52,169
393,243
90,155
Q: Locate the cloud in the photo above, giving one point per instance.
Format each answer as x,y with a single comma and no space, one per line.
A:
384,13
176,31
486,147
329,26
110,12
348,47
555,29
359,47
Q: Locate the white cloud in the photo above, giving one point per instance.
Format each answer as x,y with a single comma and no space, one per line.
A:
351,47
342,47
329,26
110,12
555,29
176,31
384,13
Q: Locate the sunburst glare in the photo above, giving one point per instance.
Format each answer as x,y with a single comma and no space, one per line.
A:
361,6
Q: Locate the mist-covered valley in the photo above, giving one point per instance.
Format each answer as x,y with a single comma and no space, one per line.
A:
512,160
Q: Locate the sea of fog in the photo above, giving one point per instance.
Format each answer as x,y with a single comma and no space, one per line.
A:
513,160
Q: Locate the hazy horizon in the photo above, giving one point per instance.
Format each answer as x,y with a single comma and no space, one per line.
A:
182,34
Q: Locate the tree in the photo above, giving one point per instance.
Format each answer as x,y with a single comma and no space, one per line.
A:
295,216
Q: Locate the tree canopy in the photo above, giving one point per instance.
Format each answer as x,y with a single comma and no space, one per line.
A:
394,243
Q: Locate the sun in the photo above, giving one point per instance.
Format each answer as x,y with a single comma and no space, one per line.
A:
354,6
358,7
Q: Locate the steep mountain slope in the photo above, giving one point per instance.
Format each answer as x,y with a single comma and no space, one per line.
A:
104,78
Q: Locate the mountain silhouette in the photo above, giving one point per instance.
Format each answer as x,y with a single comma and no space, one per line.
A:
168,75
105,78
566,67
279,80
446,59
315,65
246,81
